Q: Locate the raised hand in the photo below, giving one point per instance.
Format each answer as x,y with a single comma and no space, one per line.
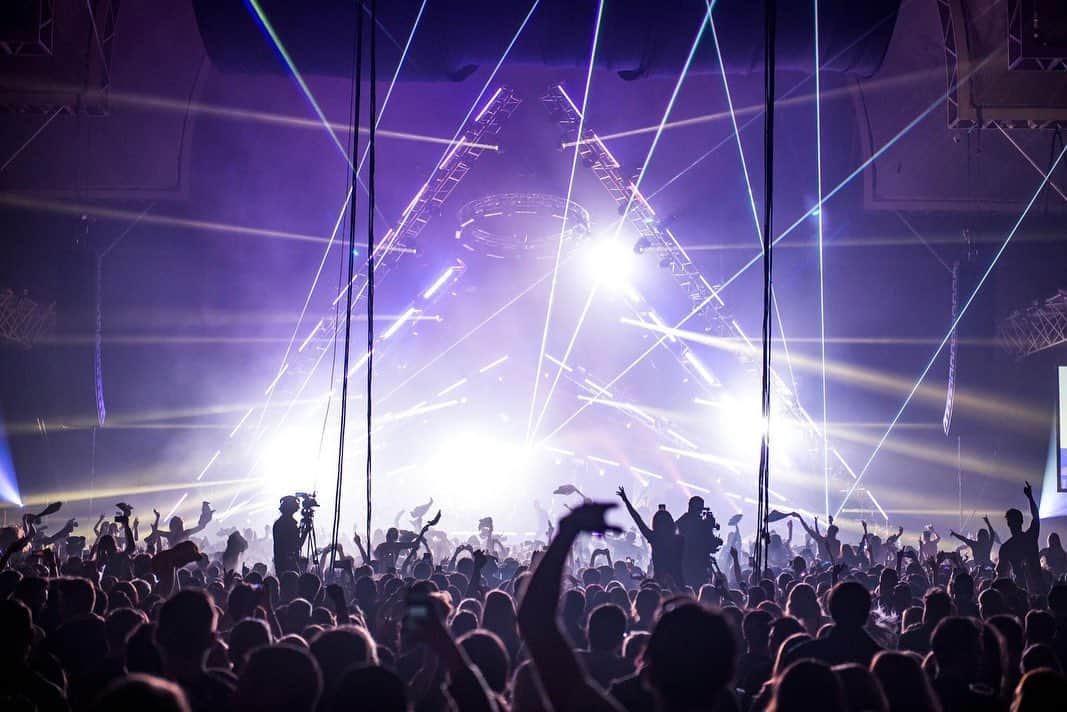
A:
479,558
864,525
622,493
589,517
1028,491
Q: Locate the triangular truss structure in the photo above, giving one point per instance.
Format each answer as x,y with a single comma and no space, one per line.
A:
24,321
1037,327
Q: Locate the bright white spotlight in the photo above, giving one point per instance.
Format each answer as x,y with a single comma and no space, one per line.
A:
290,462
475,461
610,263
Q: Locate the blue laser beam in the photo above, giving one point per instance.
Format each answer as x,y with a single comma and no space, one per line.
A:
822,280
704,23
737,133
562,363
563,230
955,323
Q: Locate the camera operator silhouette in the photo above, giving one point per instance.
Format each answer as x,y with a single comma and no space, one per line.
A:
287,537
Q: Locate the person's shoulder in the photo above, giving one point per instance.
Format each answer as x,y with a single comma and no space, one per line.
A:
46,690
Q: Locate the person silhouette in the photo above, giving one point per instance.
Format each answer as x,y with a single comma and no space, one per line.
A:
668,546
847,642
1021,551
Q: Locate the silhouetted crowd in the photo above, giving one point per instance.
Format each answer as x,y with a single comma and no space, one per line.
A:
665,617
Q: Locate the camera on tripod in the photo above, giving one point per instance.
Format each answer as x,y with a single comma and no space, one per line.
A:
711,526
308,504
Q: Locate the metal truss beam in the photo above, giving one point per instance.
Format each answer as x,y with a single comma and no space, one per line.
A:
1036,328
23,321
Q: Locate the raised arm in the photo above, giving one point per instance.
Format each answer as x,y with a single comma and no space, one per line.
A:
893,538
205,517
63,533
641,526
965,540
1035,517
993,536
813,533
362,551
564,679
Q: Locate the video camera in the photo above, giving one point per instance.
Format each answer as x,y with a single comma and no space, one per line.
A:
710,527
125,511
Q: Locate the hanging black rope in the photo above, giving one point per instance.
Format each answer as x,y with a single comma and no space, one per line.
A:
763,502
372,120
357,70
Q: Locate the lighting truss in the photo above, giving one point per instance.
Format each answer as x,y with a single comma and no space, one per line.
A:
294,375
654,237
23,321
1036,328
35,38
38,39
957,53
1020,35
426,205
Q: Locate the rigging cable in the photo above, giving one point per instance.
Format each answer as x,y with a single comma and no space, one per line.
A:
351,252
373,110
763,502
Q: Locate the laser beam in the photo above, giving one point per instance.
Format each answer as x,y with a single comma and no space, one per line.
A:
530,427
955,323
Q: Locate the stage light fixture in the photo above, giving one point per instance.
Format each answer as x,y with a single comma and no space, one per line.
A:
641,245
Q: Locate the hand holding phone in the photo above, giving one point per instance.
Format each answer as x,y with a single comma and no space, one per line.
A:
418,610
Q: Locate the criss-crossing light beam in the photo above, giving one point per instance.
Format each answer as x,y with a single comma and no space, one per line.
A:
822,279
635,191
737,131
477,327
562,232
562,364
785,342
758,110
636,188
392,82
64,207
386,244
1033,164
858,171
955,323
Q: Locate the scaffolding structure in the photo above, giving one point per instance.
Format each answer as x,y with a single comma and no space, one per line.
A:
23,321
1036,328
310,351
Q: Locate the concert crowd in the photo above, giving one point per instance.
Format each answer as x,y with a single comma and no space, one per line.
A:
671,615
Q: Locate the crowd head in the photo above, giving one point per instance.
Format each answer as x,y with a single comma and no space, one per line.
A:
593,618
